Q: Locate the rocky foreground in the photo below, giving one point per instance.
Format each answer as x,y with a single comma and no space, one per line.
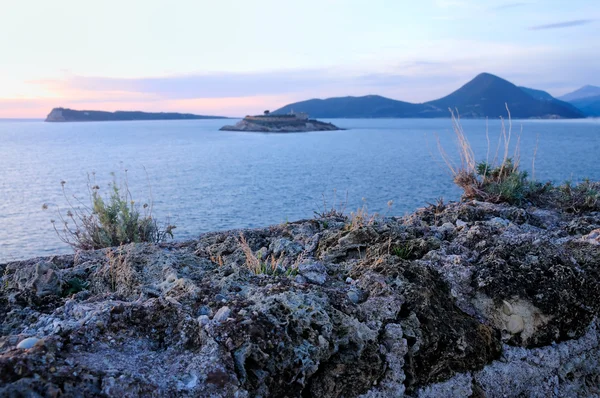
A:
458,300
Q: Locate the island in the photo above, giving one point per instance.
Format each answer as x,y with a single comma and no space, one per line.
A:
72,115
291,122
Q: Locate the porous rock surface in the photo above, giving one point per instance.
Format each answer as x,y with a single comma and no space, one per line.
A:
469,299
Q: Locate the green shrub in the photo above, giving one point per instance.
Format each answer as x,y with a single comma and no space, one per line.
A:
109,221
581,197
504,183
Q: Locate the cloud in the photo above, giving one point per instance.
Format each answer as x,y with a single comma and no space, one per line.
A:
508,5
236,106
322,82
411,81
565,24
413,76
215,85
452,3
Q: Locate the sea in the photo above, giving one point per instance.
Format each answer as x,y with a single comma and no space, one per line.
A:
201,179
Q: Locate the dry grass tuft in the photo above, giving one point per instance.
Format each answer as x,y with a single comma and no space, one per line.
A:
118,270
272,265
361,218
255,264
498,180
217,260
334,210
252,262
579,198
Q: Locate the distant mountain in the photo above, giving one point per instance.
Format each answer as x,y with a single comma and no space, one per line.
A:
71,115
537,94
583,92
484,96
589,105
487,95
369,106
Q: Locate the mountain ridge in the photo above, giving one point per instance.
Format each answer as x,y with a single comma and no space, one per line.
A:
583,92
340,106
539,94
486,95
589,105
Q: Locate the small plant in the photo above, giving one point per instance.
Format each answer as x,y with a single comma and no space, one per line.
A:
108,221
390,204
332,211
269,266
403,251
217,260
252,262
491,181
5,278
255,263
291,271
75,285
581,197
361,218
437,208
504,183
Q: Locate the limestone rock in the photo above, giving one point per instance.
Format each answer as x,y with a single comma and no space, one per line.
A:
222,314
42,279
313,271
465,299
27,343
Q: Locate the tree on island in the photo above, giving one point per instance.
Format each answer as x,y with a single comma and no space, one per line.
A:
267,113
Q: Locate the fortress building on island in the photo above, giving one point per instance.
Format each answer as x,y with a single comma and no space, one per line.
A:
293,122
271,118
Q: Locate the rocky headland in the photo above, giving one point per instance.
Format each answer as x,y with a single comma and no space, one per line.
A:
456,300
72,115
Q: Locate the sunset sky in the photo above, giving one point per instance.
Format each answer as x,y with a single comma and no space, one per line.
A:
238,57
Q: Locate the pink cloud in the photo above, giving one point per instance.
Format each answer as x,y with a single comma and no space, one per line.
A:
233,106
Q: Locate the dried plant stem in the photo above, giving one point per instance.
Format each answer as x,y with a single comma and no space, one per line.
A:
537,142
252,262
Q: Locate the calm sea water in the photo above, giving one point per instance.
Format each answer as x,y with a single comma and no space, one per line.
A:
202,179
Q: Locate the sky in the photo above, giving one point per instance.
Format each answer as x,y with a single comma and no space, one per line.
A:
238,57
